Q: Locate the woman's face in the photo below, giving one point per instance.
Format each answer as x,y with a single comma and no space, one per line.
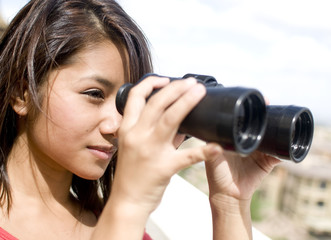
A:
77,131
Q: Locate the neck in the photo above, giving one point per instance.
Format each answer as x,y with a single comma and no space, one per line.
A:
33,177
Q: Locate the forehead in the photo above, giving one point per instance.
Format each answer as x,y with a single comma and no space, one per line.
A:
104,60
104,56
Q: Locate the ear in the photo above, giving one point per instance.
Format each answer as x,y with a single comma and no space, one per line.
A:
20,104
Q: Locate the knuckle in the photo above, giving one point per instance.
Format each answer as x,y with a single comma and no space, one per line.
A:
135,91
169,120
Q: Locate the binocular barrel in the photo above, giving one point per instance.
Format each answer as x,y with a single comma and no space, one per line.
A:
232,117
289,132
238,119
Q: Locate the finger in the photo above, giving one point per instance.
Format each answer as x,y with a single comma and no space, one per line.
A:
160,102
137,98
171,119
190,156
267,101
264,161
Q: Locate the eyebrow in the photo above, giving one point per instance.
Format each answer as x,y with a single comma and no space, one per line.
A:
106,83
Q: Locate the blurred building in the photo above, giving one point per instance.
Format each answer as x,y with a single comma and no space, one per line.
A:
302,192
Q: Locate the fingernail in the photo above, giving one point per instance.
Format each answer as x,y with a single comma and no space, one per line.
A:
191,81
199,90
216,149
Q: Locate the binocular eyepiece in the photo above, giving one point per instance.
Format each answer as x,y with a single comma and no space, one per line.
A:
238,119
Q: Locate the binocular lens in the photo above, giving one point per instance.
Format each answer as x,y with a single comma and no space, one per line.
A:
301,135
243,118
249,122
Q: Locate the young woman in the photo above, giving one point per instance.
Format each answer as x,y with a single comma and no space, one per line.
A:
61,64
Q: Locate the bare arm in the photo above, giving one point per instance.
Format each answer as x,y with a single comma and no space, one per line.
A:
231,219
121,220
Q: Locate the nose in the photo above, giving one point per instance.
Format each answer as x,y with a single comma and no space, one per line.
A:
110,122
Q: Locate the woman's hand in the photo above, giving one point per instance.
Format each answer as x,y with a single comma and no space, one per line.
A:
232,181
148,139
238,177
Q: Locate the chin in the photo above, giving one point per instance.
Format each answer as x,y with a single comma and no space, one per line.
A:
94,174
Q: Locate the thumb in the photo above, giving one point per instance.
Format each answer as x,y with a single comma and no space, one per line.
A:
212,151
190,156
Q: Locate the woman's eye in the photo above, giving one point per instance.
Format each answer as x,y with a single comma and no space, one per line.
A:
95,94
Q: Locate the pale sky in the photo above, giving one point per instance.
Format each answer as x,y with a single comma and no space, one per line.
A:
282,48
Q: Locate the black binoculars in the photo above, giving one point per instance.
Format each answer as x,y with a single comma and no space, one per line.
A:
238,119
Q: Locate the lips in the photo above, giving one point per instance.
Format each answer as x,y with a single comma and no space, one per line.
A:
102,152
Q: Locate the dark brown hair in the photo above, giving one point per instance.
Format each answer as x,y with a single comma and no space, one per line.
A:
42,37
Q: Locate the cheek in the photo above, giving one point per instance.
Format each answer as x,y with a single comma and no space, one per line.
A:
59,136
65,118
68,116
62,129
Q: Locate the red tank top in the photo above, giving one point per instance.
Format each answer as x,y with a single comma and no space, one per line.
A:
5,235
147,237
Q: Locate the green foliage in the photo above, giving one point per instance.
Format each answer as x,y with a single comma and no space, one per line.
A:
256,208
